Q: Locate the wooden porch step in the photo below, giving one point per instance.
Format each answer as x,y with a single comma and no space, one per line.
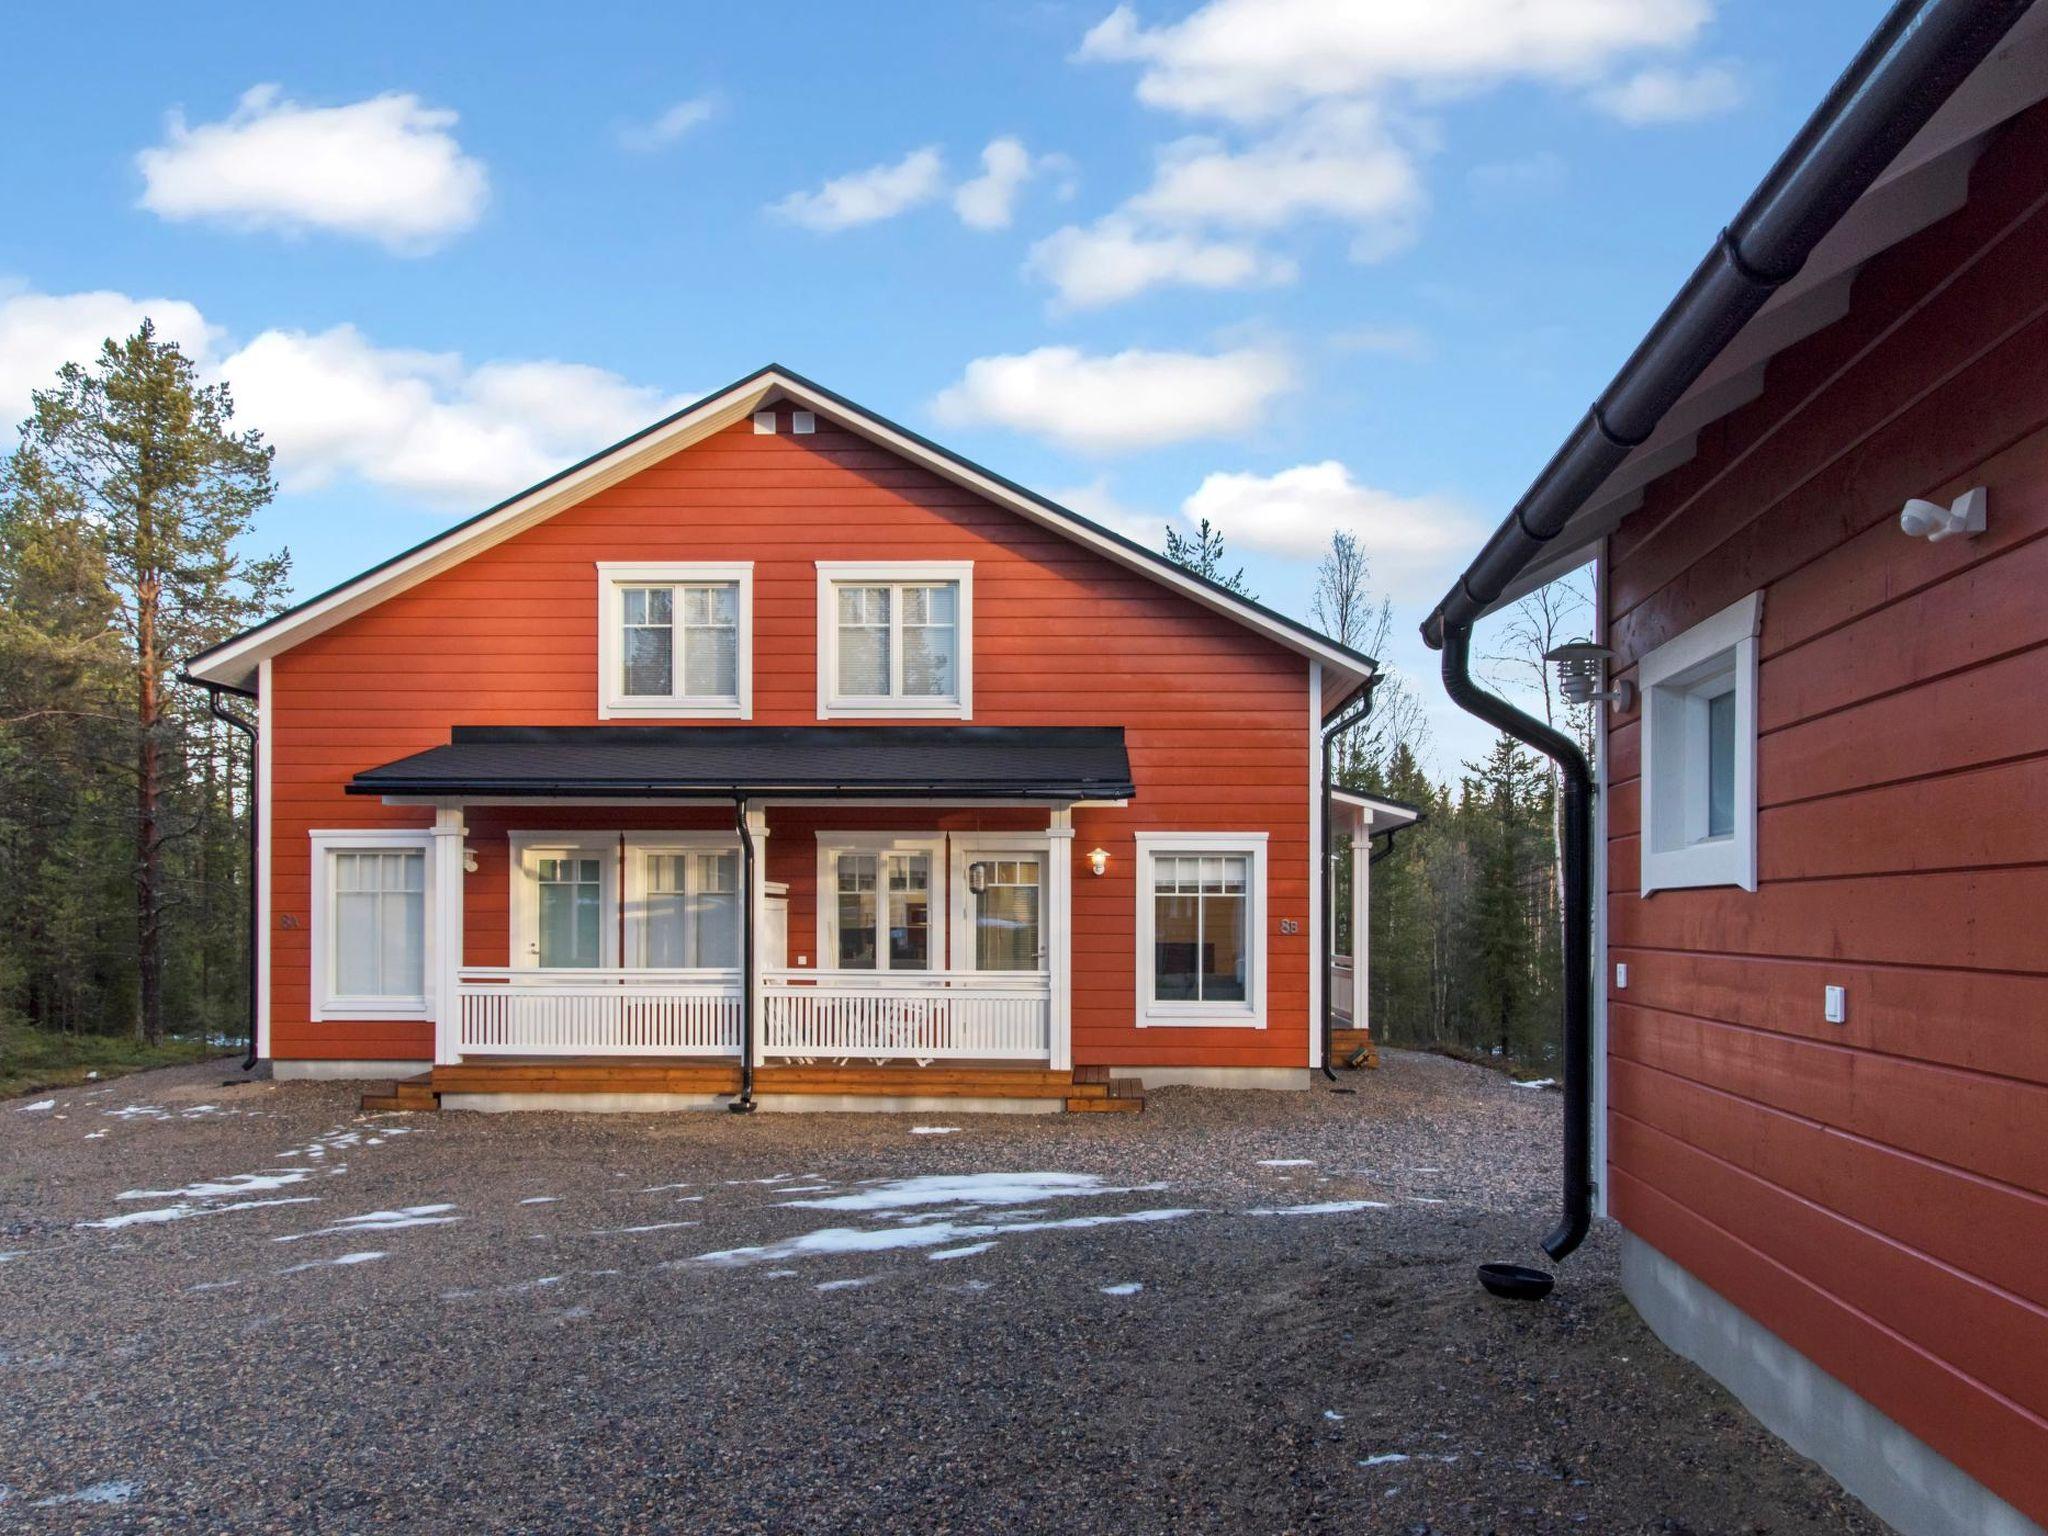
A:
410,1094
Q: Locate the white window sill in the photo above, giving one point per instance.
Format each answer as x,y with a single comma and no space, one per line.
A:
923,709
374,1009
673,709
1166,1016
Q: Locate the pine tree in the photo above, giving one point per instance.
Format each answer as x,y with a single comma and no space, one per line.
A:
133,463
1202,553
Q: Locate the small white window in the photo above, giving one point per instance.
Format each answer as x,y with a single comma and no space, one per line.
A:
875,898
1699,754
895,639
675,641
369,922
1201,929
683,904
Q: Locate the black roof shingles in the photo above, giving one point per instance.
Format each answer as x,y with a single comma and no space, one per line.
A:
702,762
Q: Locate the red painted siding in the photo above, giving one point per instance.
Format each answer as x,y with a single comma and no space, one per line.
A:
1216,716
1875,1193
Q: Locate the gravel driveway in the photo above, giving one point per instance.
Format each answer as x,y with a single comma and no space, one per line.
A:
252,1309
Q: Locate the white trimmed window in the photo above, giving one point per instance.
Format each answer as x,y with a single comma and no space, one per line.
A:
896,638
369,922
675,640
875,899
1699,753
1201,929
683,902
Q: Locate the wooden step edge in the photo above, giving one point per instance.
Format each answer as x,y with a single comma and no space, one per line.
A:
1105,1106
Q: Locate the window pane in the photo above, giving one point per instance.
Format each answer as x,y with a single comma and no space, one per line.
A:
910,912
1223,949
664,913
1176,947
379,927
646,642
569,900
928,661
1721,765
716,930
856,911
711,663
1006,915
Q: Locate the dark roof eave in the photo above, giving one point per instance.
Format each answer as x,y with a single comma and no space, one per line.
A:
654,789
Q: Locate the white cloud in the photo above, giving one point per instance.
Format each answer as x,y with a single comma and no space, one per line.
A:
422,423
387,169
1113,259
1294,513
880,192
669,126
990,199
41,332
1255,59
1120,403
1671,95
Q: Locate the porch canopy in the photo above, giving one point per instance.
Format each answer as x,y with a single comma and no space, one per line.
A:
1053,763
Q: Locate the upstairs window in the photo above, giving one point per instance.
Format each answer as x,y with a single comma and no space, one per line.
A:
1699,754
676,640
895,639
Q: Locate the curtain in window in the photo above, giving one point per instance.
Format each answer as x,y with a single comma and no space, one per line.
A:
1200,943
380,921
864,642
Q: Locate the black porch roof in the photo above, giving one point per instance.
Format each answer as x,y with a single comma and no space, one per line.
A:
706,762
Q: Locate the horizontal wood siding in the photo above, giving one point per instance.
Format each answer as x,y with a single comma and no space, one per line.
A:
1216,717
1874,1192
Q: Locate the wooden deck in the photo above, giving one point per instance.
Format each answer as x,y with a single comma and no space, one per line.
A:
1085,1090
1353,1048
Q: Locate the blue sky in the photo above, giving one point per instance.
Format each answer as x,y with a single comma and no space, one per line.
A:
1302,263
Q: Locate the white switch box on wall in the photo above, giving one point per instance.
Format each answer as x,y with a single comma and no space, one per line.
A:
1621,977
1836,1005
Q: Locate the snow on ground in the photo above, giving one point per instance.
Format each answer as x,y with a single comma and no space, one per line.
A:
930,1234
342,1262
381,1221
935,1130
1287,1162
214,1189
115,1492
37,1108
969,1189
181,1212
1128,1288
1318,1208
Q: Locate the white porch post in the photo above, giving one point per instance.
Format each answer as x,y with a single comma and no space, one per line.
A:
1059,950
757,916
447,923
1361,908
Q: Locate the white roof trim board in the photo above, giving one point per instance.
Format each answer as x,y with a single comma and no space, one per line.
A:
1374,814
1926,183
234,662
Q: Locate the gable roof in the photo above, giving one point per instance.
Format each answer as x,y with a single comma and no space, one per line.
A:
234,662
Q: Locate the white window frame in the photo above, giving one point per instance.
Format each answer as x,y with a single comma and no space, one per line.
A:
890,573
523,927
830,846
613,577
1183,1014
1715,656
326,1003
971,847
641,844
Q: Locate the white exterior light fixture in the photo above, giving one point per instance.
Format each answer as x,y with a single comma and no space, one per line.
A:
1931,521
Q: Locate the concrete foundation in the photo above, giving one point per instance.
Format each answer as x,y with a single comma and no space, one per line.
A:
767,1104
1283,1079
331,1071
1905,1481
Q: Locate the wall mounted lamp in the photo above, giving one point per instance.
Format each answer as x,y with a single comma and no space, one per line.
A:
1581,668
1098,860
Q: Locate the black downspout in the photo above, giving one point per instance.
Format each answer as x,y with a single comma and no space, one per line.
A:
744,1104
1388,846
1577,777
248,728
1329,872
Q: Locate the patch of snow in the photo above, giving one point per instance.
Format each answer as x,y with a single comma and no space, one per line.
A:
652,1226
781,1274
967,1252
116,1492
1319,1208
1538,1082
15,1253
972,1287
138,1112
935,1130
1128,1288
1384,1459
213,1285
931,1235
657,1189
336,1263
1287,1162
1425,1200
381,1221
37,1108
540,1199
846,1285
802,1189
214,1189
181,1211
94,1135
1333,1416
967,1189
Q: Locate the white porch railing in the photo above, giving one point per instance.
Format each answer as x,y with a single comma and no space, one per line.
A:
1340,986
597,1012
878,1015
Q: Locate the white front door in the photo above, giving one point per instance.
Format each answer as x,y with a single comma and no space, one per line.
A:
565,906
999,907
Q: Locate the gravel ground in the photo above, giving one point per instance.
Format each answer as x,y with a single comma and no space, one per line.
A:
252,1309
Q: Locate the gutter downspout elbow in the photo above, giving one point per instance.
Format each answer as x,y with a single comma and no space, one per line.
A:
1576,776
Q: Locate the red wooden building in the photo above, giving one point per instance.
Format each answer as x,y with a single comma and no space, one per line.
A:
1818,851
776,752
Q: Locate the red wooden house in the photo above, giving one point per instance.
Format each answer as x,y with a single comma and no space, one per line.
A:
777,753
1816,861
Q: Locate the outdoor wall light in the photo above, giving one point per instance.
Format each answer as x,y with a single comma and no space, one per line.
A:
1581,667
1098,859
1931,521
